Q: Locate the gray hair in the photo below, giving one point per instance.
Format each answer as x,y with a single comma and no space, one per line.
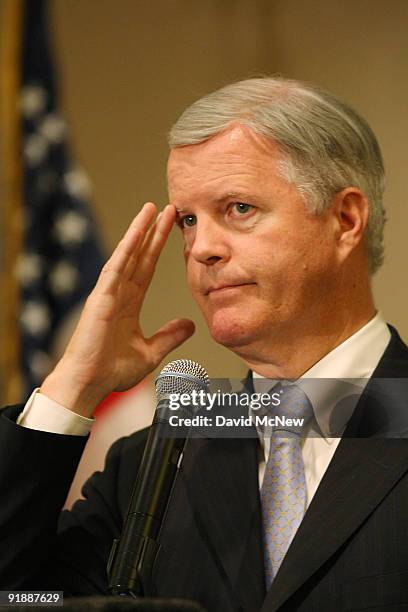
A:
326,146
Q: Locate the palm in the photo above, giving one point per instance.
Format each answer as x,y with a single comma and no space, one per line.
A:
122,338
108,350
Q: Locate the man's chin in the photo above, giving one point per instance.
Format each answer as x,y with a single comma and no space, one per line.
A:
231,333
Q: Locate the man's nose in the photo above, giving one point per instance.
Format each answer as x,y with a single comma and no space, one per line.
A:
209,244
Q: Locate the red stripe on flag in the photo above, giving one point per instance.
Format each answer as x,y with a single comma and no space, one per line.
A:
116,396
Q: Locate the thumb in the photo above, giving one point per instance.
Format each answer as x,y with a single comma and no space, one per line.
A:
170,336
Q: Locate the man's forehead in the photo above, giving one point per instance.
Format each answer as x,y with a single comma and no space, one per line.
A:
238,145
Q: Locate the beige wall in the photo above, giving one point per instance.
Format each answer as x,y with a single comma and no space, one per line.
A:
129,68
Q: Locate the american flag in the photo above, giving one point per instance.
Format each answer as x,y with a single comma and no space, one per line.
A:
61,254
50,244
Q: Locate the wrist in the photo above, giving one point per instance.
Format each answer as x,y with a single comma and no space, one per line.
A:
62,386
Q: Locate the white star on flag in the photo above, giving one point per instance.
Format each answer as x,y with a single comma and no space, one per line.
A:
35,318
35,149
77,183
33,99
63,278
71,228
53,128
28,269
40,364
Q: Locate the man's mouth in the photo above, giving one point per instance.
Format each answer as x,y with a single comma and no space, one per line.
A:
225,287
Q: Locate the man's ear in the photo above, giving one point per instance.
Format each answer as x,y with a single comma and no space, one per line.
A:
350,210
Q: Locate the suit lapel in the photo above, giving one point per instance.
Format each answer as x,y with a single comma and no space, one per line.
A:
362,472
221,478
360,475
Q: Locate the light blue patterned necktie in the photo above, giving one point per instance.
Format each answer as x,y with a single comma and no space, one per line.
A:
283,492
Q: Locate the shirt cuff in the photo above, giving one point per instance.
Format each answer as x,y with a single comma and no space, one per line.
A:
43,414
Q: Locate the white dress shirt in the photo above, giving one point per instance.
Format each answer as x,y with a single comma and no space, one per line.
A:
356,358
348,366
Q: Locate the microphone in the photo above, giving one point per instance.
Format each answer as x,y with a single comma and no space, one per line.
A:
132,557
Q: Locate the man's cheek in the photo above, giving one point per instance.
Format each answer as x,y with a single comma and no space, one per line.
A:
186,252
192,279
188,241
197,295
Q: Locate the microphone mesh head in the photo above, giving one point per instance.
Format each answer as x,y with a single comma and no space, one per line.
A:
181,376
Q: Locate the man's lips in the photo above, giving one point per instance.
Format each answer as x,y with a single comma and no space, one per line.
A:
226,286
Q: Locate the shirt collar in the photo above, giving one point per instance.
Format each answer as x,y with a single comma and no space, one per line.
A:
345,370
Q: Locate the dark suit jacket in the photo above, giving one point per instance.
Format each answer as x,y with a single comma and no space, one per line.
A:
350,552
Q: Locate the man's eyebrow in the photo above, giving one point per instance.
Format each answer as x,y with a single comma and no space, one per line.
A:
232,194
237,195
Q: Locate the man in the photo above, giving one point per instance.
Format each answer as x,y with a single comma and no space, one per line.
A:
277,188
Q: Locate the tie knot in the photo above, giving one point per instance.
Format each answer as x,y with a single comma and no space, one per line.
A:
294,410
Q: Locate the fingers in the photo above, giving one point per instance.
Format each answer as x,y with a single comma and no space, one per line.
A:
113,270
141,268
169,337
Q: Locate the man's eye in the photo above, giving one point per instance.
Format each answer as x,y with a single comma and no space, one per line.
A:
242,208
188,221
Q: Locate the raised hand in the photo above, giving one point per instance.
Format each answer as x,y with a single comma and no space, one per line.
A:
108,351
